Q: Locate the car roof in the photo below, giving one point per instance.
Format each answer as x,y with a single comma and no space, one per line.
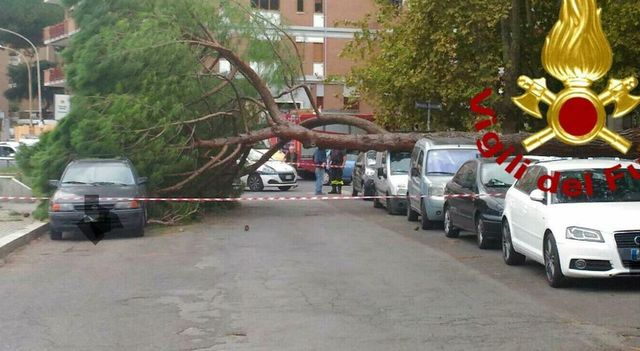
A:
436,141
574,164
101,160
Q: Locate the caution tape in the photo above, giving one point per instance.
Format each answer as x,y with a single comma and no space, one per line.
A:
247,199
298,164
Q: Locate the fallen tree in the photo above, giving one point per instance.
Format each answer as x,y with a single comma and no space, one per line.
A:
148,85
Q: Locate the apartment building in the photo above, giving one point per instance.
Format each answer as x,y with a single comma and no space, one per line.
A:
320,33
320,30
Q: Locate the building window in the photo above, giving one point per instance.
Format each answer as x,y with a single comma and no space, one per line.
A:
318,70
270,5
300,5
319,8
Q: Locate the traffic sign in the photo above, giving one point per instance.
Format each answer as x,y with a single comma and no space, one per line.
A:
428,106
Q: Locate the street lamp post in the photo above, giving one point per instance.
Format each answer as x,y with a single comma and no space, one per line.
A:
29,77
35,49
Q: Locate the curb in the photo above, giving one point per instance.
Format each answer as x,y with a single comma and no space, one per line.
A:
22,237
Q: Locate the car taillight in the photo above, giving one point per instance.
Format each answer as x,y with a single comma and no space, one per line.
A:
55,208
135,204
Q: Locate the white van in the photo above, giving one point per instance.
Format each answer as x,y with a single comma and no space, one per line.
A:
391,181
434,162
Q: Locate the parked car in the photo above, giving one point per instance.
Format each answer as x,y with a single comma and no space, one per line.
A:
391,180
434,161
271,175
365,173
85,197
475,200
590,235
8,152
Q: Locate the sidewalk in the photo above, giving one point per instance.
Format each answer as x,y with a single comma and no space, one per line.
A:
15,216
17,225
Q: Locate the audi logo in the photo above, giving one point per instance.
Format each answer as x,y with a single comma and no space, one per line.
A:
637,240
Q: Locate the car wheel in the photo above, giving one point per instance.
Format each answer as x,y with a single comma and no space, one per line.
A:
55,234
254,182
424,218
450,231
139,232
368,192
483,242
552,266
377,203
284,188
412,216
510,256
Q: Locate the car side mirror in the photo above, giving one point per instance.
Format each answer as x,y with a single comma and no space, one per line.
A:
414,172
538,196
54,183
143,180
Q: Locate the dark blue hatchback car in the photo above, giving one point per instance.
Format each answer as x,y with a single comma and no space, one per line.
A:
97,196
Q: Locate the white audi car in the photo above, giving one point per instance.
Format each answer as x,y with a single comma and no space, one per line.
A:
273,174
594,234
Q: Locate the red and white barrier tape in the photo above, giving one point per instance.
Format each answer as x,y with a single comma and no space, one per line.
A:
245,199
298,164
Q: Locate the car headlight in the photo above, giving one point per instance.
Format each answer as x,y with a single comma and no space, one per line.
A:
584,234
61,207
370,172
436,191
267,170
127,205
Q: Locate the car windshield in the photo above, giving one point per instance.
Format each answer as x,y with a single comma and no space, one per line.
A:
448,161
627,188
254,155
400,162
494,176
98,173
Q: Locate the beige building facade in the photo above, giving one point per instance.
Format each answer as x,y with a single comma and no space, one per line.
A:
321,31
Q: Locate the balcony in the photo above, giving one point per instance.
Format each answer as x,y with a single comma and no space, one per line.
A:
59,34
54,77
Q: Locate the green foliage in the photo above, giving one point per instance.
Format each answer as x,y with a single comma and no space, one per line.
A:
135,77
27,17
435,51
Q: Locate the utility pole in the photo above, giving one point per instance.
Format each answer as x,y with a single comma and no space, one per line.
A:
35,50
28,64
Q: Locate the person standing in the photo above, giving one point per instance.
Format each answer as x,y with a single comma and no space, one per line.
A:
320,161
336,160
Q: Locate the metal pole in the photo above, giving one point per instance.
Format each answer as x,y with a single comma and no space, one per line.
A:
429,119
35,49
28,64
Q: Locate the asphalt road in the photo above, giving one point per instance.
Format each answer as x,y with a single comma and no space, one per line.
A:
336,275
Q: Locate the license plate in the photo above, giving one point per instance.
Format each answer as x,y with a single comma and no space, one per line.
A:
635,255
288,177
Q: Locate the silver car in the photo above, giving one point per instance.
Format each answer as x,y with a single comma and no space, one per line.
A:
434,162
